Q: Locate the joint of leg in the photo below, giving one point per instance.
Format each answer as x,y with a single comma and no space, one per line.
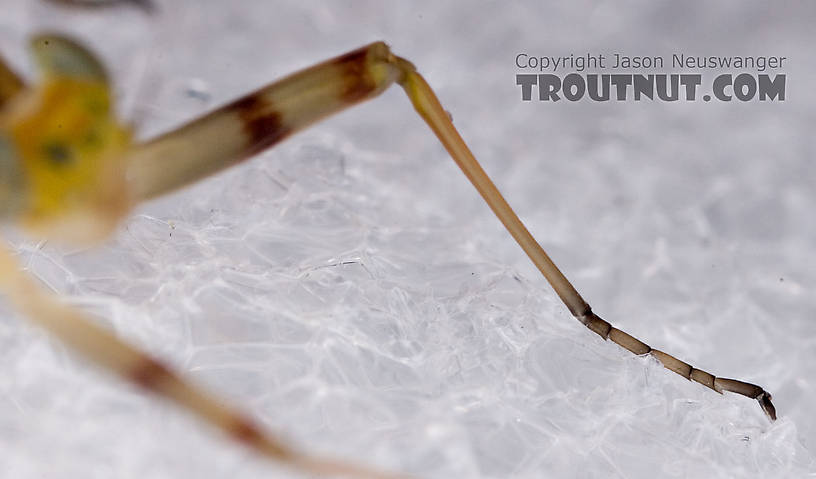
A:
704,378
596,324
739,387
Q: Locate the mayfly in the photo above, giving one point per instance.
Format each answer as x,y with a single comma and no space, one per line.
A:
69,170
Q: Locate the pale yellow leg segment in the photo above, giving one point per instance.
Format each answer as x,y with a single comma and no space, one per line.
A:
431,110
259,120
108,351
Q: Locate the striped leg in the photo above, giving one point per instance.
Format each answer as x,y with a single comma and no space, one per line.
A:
236,132
110,352
261,119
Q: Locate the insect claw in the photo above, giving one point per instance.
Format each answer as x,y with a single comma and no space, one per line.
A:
764,400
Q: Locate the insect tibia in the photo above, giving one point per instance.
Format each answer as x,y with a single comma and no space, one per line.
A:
429,108
594,323
638,347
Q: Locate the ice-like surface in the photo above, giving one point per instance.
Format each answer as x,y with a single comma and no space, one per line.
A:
351,290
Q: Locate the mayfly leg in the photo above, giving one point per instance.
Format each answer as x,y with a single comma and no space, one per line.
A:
233,133
108,351
261,119
428,106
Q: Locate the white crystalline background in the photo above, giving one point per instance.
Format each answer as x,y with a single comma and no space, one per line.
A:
352,292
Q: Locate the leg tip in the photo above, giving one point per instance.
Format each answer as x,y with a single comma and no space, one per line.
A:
764,400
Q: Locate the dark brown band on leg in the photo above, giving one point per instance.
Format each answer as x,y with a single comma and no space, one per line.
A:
359,84
262,124
150,374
